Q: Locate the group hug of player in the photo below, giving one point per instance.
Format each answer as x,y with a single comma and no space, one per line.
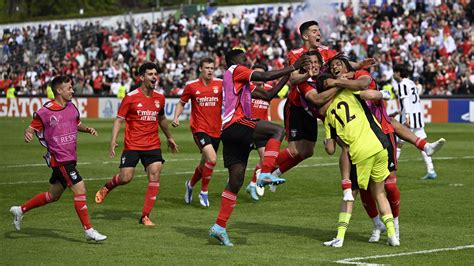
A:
324,85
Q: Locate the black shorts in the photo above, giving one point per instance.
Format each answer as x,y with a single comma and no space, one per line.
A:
353,176
237,140
202,140
392,152
66,174
299,124
130,158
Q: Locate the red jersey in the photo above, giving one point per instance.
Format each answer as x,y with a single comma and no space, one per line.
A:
38,126
206,106
260,106
141,116
234,113
381,113
299,91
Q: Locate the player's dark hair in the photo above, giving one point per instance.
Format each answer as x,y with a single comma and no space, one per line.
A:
146,66
344,59
57,81
206,60
402,69
305,26
262,66
320,81
317,54
231,56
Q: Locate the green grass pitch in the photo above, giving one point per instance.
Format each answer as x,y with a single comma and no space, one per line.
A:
286,227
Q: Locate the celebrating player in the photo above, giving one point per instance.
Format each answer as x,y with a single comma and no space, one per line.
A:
142,110
56,125
206,100
411,114
260,107
239,132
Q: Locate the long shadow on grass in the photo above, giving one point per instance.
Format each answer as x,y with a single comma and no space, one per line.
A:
115,215
40,233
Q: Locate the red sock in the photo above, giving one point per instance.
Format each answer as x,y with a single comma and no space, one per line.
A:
369,203
270,155
114,182
37,201
420,144
228,202
196,177
346,184
254,177
286,160
150,197
80,204
206,175
393,194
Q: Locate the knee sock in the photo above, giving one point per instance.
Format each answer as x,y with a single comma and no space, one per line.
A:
228,202
393,194
420,144
207,171
37,201
369,203
428,162
270,155
80,204
388,221
286,160
150,197
343,223
196,177
114,182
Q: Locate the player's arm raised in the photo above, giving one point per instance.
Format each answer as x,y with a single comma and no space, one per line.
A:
359,84
115,131
164,126
268,95
274,74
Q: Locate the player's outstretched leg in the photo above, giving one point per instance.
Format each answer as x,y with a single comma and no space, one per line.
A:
102,193
433,147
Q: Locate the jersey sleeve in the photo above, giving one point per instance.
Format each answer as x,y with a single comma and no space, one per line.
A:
241,76
36,123
124,107
304,88
291,58
186,94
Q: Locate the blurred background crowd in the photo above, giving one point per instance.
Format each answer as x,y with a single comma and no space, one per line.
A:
434,38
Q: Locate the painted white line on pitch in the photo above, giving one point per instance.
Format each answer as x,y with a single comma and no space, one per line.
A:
357,260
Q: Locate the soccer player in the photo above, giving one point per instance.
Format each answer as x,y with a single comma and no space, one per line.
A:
142,110
349,119
56,125
361,80
239,132
411,114
260,107
301,126
206,102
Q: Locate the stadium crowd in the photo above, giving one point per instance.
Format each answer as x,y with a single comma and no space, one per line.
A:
435,40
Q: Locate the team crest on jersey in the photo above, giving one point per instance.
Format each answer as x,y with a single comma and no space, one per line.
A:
53,121
216,89
157,104
73,175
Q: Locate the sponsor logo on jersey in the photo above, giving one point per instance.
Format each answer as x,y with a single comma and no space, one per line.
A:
140,105
198,92
207,101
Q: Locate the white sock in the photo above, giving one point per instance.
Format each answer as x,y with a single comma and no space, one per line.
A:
399,150
377,222
428,162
